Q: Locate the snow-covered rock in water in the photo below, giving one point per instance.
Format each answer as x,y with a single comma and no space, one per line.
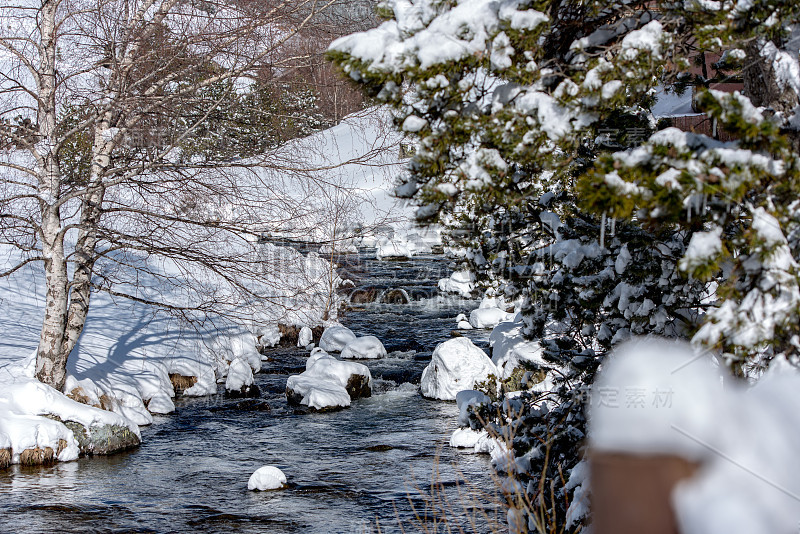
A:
267,478
464,325
328,383
268,336
456,365
316,354
393,248
362,348
488,317
335,338
466,438
305,337
510,348
460,282
70,427
240,381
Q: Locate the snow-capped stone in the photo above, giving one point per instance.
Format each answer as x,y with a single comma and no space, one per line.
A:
305,337
466,438
488,317
456,365
266,478
393,249
460,282
316,354
328,383
240,380
269,336
464,325
366,347
335,338
25,401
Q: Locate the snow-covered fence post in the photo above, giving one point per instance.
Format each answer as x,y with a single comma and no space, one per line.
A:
631,493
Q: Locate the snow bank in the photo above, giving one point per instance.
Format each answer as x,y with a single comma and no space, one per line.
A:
267,478
335,338
366,347
328,383
460,283
510,348
456,365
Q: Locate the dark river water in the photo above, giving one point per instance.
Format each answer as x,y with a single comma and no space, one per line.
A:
383,465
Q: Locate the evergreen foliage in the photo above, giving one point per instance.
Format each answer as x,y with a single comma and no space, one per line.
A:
537,148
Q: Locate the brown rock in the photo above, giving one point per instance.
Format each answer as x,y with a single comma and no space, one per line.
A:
37,456
181,383
5,458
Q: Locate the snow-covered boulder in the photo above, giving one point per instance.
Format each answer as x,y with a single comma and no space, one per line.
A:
460,282
456,365
362,348
394,249
316,354
240,381
305,337
335,338
488,317
466,438
268,336
267,478
70,428
328,383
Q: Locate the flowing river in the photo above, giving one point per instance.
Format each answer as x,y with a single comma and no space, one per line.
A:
379,466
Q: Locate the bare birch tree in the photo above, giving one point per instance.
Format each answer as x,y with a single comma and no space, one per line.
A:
98,100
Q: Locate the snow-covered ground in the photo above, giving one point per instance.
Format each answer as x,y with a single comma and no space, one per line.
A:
127,353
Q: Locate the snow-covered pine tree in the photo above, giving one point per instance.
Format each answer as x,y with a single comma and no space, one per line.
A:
529,117
739,198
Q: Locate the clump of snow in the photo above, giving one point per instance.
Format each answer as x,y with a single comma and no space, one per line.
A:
466,399
456,365
651,395
703,247
324,384
366,347
335,338
305,337
240,376
510,348
460,282
266,478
